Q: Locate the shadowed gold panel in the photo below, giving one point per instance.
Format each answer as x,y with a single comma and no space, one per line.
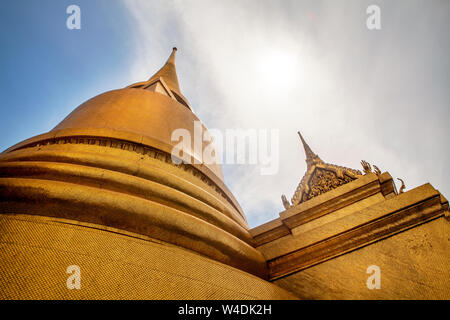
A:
414,264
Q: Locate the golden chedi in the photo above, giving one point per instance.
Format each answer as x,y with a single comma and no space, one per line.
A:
100,197
100,191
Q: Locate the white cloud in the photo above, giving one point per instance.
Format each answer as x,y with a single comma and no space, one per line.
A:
311,66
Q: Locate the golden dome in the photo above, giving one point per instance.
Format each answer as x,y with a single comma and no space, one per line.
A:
109,163
148,116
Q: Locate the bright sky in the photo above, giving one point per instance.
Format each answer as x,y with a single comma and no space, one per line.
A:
382,95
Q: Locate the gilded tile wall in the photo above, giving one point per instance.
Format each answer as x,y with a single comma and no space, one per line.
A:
35,252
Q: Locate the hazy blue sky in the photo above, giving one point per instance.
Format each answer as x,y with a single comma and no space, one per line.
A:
313,66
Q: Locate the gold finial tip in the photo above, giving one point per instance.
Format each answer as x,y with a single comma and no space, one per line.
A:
174,49
309,154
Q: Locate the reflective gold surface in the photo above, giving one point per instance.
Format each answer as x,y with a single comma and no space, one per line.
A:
109,163
101,191
322,245
35,252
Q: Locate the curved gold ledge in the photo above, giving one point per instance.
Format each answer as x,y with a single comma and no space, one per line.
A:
146,167
115,139
123,183
134,214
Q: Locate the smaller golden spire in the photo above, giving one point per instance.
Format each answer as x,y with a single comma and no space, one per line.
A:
169,73
320,177
311,157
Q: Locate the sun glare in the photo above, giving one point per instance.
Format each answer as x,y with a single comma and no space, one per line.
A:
278,70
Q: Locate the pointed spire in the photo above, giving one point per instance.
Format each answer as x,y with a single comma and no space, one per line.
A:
311,157
169,73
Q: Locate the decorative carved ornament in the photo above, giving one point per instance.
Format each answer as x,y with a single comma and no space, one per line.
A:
402,188
320,178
